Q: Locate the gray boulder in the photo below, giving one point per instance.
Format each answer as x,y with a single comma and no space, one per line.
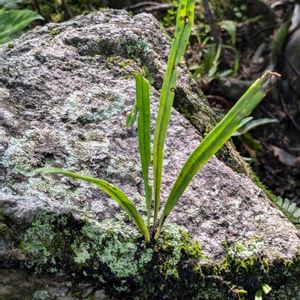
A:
65,92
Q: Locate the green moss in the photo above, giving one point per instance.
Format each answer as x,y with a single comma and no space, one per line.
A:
287,290
134,47
121,62
53,31
113,255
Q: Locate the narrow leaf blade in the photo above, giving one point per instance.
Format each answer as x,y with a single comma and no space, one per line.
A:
216,138
111,190
144,133
184,22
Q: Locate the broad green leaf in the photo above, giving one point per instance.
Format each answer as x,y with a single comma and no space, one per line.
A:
216,138
14,21
184,23
144,133
111,190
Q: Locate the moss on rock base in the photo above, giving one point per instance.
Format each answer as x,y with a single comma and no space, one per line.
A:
114,257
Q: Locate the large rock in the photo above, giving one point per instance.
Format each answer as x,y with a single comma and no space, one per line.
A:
65,92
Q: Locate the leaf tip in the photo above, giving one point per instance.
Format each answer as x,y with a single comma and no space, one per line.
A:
269,79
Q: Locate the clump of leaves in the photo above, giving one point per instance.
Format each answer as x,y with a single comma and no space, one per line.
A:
208,147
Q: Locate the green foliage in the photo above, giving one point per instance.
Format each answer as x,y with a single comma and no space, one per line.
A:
144,134
249,124
208,147
111,253
111,190
10,3
209,67
290,209
184,23
279,40
216,139
12,22
265,289
230,27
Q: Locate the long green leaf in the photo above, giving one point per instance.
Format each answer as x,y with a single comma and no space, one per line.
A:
111,190
14,21
184,22
216,138
144,133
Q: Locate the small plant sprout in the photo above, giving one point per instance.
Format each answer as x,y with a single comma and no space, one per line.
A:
141,112
264,290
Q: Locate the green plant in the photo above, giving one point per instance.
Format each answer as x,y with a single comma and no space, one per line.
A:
249,123
290,209
211,54
246,137
208,147
12,22
264,289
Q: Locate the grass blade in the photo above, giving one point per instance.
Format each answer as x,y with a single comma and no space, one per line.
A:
216,138
144,133
184,22
111,190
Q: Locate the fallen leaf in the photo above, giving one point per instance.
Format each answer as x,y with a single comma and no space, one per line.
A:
286,158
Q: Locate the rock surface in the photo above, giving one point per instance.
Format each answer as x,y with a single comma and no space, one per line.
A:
17,284
65,91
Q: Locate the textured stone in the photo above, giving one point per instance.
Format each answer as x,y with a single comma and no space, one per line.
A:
65,91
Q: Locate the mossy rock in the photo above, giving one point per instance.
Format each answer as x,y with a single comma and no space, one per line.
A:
113,255
64,99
